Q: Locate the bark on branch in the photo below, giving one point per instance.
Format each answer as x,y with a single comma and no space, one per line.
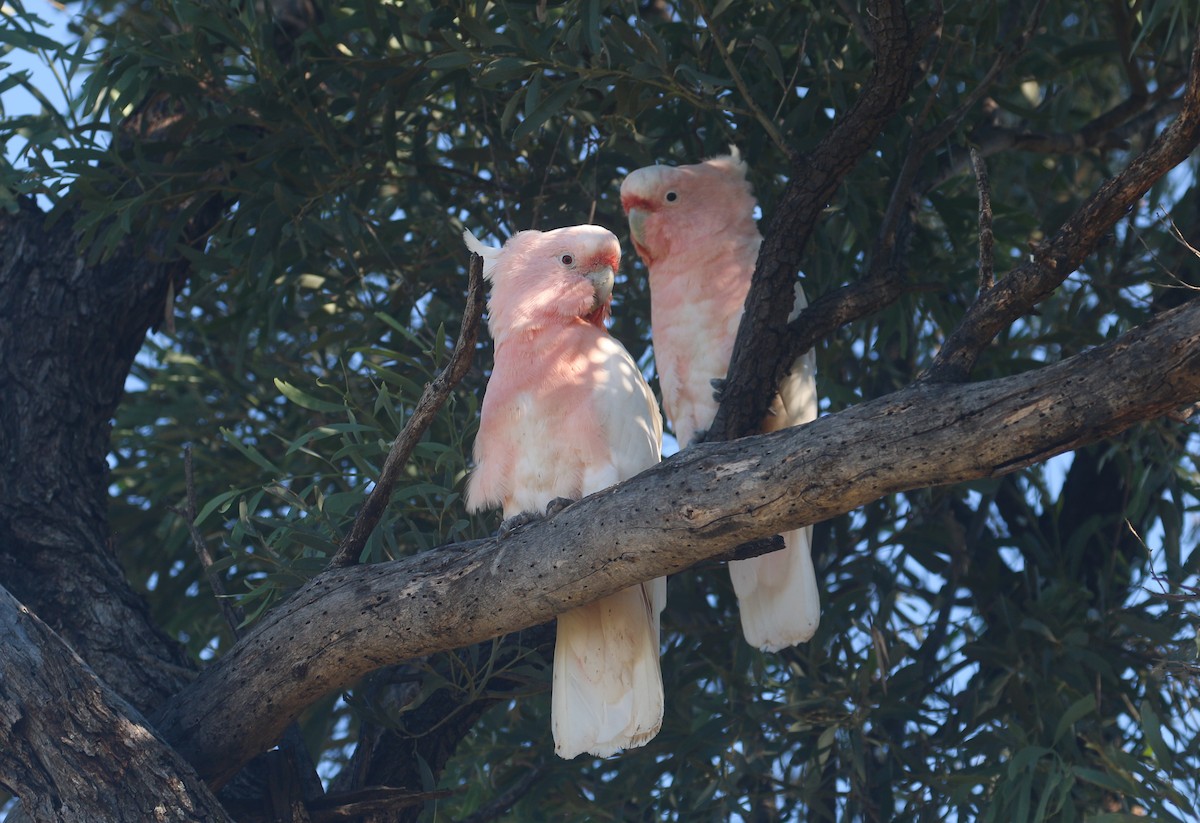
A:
753,378
1051,264
697,504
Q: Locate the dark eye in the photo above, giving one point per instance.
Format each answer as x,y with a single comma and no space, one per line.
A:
672,197
567,260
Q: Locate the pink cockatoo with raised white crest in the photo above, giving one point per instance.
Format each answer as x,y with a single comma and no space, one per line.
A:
694,228
567,413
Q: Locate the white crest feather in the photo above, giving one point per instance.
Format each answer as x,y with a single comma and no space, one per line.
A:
490,254
732,161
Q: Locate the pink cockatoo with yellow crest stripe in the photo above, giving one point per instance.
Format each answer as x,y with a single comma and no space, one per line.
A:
567,413
694,228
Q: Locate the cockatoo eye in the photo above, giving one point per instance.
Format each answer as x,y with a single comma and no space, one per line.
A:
567,260
672,197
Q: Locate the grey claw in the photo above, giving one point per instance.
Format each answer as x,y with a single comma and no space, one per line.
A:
557,504
511,524
718,384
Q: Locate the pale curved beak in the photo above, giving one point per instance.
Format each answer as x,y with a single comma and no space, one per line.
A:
602,279
637,225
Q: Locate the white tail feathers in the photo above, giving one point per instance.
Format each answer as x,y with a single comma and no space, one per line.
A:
607,693
777,594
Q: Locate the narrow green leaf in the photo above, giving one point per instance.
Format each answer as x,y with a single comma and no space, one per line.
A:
548,108
450,60
221,501
1081,707
1152,728
251,453
304,400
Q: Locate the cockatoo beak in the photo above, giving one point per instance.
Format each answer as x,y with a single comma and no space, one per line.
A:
602,282
637,226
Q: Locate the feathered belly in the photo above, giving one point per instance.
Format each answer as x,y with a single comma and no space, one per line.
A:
537,436
687,364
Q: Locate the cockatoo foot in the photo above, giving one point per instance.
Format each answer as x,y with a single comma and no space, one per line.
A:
517,521
718,386
558,504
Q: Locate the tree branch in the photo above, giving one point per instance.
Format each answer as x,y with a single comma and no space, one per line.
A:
753,378
705,500
987,274
432,398
1053,262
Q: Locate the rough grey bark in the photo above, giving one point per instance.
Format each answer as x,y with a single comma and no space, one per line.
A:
74,751
71,331
703,501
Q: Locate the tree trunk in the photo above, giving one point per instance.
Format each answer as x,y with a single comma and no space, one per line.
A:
74,750
71,333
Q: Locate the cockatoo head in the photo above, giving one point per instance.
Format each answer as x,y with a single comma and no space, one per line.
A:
674,208
547,278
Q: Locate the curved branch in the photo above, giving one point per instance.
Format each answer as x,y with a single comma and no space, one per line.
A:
1053,262
432,398
753,378
704,500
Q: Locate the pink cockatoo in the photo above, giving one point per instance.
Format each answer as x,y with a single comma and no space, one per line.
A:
567,413
694,228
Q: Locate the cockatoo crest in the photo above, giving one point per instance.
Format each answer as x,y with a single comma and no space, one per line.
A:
490,254
541,278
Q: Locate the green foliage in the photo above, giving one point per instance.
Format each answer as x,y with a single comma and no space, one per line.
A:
1003,650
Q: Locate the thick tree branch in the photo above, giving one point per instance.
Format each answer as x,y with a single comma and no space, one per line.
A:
1053,262
753,378
68,738
432,398
700,502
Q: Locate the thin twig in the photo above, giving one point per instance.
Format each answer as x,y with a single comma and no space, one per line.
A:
1177,234
860,28
987,276
432,398
232,613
